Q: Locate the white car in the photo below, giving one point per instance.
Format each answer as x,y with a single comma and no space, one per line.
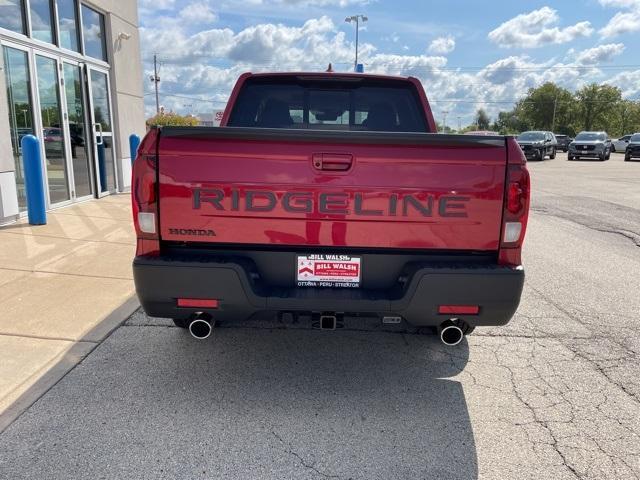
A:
620,145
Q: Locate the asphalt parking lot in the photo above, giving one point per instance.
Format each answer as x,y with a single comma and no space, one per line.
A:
553,395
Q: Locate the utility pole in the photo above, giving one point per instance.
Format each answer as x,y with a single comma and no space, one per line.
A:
459,123
356,18
156,79
553,120
444,121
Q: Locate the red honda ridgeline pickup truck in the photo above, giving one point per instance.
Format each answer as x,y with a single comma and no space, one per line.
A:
329,194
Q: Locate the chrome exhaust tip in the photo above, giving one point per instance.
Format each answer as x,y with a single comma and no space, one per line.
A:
450,333
200,328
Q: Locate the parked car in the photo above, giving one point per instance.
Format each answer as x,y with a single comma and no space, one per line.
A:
538,144
563,141
221,237
590,145
633,148
53,144
620,145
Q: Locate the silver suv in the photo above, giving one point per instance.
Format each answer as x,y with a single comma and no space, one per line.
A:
590,145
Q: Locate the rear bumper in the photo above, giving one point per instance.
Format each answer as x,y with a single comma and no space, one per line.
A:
160,281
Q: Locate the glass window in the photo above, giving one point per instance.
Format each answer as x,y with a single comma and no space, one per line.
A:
93,33
100,96
12,15
52,136
292,102
328,107
531,136
16,71
41,20
78,134
103,132
68,25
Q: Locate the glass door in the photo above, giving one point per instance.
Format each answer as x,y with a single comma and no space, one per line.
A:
18,82
76,131
52,135
102,130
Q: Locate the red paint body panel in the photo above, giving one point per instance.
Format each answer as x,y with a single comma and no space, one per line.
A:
377,172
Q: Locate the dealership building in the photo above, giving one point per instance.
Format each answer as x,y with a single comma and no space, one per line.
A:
70,74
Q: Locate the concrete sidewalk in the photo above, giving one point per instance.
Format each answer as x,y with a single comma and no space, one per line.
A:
58,284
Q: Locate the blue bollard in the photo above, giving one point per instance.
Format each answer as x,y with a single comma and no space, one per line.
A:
33,181
134,143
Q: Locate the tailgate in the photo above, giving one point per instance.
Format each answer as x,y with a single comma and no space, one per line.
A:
355,189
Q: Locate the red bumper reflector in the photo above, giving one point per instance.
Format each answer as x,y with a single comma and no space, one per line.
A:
197,303
458,309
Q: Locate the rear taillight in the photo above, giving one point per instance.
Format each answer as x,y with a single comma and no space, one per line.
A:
516,210
144,199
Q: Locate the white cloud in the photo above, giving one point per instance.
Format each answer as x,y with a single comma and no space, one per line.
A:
622,22
442,45
626,22
157,4
312,3
198,12
628,82
203,66
620,3
600,54
536,29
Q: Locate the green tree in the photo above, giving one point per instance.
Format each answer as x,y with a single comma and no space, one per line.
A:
625,118
510,122
548,107
482,119
165,119
598,105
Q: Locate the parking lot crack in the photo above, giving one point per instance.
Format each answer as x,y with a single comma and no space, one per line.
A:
303,462
537,420
579,354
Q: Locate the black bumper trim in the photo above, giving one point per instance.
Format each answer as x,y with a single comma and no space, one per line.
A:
160,281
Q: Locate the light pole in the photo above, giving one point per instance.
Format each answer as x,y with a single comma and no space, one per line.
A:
356,18
444,121
155,78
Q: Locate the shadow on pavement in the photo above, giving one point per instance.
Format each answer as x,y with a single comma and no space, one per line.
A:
252,403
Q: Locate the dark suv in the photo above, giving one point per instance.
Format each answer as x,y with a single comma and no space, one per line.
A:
537,144
633,148
563,141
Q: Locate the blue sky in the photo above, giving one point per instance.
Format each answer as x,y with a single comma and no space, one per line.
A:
468,54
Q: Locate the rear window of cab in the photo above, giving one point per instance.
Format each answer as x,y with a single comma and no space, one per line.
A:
361,105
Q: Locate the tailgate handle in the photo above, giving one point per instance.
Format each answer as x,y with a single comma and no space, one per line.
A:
337,162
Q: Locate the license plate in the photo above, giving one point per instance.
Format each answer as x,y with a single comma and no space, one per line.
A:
327,270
